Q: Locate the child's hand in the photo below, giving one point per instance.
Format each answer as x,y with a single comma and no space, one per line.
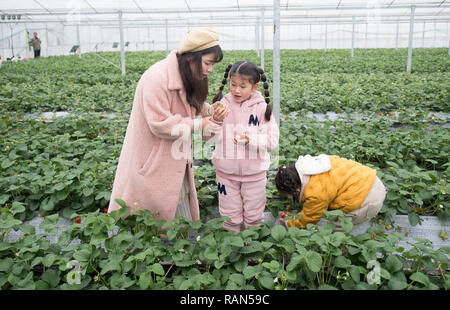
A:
284,223
220,111
241,139
282,219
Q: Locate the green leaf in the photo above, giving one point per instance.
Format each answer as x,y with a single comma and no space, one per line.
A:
27,282
237,278
273,266
7,163
211,254
49,259
234,240
4,198
326,287
145,279
314,261
342,262
6,264
157,269
393,263
297,233
354,273
52,277
83,255
397,281
420,277
171,234
241,263
185,284
120,282
278,232
266,280
347,224
413,218
17,207
219,264
251,271
295,261
209,240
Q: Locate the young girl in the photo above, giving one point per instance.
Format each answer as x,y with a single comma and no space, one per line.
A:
240,155
327,182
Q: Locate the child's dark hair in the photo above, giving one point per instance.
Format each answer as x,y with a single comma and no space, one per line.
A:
288,180
255,74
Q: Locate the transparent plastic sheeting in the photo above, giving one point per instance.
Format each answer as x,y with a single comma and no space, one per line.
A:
155,25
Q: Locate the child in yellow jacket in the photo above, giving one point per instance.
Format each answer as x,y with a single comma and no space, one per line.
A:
328,182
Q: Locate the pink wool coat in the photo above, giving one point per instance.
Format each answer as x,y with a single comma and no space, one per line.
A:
149,174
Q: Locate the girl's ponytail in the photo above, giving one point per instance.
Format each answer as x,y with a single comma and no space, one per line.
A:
219,95
268,112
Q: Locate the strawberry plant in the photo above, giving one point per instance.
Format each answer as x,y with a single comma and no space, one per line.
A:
108,251
63,168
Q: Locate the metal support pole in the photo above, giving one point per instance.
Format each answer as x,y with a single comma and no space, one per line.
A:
63,41
46,40
434,38
167,38
326,36
365,36
310,26
122,47
423,35
410,44
262,39
276,60
449,43
257,37
353,35
148,37
78,40
396,37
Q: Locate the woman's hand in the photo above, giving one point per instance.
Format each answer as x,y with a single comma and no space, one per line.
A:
220,111
209,127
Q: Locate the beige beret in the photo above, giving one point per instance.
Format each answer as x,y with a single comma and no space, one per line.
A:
198,39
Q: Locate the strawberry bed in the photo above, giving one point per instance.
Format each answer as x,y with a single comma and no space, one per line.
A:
64,167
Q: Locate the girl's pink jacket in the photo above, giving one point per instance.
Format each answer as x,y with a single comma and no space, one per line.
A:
245,162
152,162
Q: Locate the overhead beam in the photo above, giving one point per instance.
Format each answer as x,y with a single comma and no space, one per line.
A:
249,8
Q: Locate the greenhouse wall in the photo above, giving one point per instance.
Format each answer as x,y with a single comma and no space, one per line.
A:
58,39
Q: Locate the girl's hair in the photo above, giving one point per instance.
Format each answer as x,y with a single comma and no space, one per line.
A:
196,88
255,74
288,180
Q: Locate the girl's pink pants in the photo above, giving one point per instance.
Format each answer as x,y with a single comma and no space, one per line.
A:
242,202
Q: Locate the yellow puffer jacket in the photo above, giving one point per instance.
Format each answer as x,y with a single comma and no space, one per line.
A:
343,187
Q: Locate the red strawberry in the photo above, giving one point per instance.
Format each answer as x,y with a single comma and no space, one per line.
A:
105,210
283,215
78,220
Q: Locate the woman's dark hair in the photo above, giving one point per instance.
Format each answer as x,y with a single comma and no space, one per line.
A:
255,74
196,88
288,180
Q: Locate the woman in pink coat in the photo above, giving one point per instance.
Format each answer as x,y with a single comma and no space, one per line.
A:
155,166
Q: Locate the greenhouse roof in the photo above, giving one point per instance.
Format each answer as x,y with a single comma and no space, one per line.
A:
194,12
